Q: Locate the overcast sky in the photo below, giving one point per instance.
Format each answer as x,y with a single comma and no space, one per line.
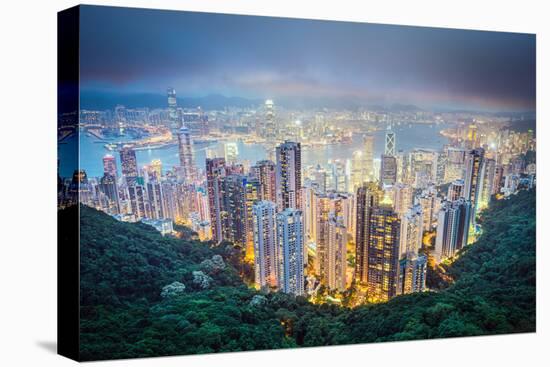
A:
136,50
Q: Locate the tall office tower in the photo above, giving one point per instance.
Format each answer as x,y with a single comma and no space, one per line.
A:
215,171
173,108
452,228
411,231
368,196
269,130
231,152
339,178
265,245
412,274
336,259
290,243
265,171
454,168
202,204
455,190
156,168
368,157
185,148
358,175
430,204
388,170
473,179
488,182
233,215
288,179
390,142
169,197
384,229
108,186
252,197
155,199
109,166
402,198
128,162
137,195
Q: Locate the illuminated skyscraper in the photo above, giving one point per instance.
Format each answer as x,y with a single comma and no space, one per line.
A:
233,214
368,196
402,198
155,200
388,170
231,151
455,158
455,190
452,228
473,179
269,129
358,175
412,274
384,229
129,164
488,182
108,186
265,244
109,166
252,197
173,108
411,231
290,244
215,171
390,143
137,195
185,146
336,259
289,175
265,171
430,204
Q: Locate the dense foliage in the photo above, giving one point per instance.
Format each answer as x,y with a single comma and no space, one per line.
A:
145,295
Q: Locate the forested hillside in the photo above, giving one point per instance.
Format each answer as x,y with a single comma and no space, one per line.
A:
146,295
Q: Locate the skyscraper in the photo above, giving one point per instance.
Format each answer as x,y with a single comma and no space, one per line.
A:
412,274
265,171
269,129
155,200
231,151
368,196
336,259
390,142
290,244
252,197
108,186
173,108
233,214
411,231
289,175
402,198
137,195
109,165
452,228
383,253
388,170
473,179
215,171
185,149
265,245
129,164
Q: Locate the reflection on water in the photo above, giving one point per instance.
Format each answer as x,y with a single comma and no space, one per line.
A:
92,150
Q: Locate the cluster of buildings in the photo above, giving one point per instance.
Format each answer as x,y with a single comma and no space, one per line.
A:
359,222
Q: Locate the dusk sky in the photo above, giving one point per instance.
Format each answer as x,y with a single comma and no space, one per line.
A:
146,51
